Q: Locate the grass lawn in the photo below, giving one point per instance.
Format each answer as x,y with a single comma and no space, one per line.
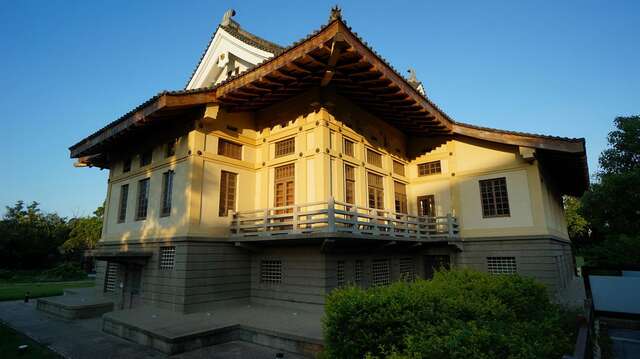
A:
14,291
10,340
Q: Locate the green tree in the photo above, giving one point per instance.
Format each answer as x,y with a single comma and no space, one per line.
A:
612,205
85,232
577,225
29,239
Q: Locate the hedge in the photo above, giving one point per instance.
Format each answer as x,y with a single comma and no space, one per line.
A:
459,314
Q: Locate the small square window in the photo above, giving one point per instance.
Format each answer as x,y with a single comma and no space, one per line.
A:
271,271
374,158
348,148
167,257
398,168
229,149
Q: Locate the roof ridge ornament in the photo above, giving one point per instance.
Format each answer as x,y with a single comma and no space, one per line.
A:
226,18
336,13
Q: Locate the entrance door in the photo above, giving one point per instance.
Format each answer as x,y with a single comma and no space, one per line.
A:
435,262
427,205
132,284
284,192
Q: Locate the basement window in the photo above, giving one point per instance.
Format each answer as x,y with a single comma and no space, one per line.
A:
501,265
340,277
167,257
381,272
357,271
271,271
110,277
407,269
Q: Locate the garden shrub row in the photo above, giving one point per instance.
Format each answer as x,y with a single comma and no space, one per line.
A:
459,314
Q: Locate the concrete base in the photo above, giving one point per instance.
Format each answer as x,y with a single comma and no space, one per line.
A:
297,333
75,305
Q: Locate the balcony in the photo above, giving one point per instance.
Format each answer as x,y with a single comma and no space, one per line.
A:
339,218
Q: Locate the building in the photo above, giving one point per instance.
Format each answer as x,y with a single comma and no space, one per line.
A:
280,173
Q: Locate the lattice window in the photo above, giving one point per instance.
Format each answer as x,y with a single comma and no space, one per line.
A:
284,185
398,168
167,193
349,184
271,271
400,191
229,149
143,199
145,158
380,272
340,276
228,184
429,168
285,147
494,197
122,207
407,269
167,257
374,158
375,191
110,277
357,271
348,147
501,265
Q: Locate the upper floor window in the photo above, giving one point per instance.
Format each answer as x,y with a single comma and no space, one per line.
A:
167,189
122,207
285,147
145,158
400,192
398,168
126,165
374,158
348,147
375,191
494,197
227,193
429,168
229,149
170,148
349,184
143,199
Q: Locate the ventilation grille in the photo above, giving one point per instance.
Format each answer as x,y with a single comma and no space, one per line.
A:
501,265
110,277
271,271
167,257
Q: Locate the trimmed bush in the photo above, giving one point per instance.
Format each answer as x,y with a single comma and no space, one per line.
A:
63,272
458,314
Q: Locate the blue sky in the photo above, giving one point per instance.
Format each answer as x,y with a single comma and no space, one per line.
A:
67,68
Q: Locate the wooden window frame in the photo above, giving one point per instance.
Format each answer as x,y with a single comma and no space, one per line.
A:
122,205
287,179
349,184
494,198
348,147
374,157
229,149
375,191
429,168
143,199
400,197
398,168
284,147
228,193
420,212
167,193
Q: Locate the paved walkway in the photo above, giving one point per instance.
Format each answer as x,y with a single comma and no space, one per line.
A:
84,339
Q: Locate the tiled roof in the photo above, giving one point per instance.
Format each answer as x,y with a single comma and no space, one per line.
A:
519,133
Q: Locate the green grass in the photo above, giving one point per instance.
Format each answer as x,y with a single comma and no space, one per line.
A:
15,291
10,340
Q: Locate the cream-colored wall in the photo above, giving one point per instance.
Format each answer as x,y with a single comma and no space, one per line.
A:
319,168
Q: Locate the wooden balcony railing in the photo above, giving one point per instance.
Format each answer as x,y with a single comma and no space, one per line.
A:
340,217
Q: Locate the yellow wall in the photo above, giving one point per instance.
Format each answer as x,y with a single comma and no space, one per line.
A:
319,168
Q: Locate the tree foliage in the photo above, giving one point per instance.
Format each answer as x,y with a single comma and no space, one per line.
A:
612,205
577,225
85,232
30,239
